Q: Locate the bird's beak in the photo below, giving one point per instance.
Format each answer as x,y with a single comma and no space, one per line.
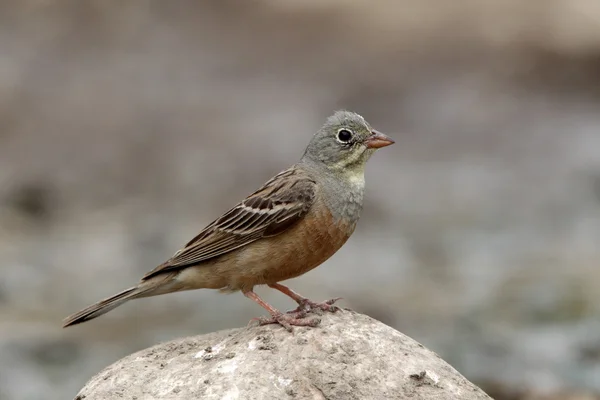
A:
377,140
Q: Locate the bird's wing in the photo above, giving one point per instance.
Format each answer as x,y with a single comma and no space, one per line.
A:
275,207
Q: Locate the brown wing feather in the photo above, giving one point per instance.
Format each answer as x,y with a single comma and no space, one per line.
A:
269,211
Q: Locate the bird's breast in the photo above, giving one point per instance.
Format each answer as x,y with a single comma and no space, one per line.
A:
296,251
345,199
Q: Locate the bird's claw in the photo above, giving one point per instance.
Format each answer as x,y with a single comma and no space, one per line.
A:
288,320
297,316
307,306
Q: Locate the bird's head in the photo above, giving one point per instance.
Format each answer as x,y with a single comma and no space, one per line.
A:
345,142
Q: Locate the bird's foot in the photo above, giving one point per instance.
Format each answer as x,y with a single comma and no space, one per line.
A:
288,320
307,305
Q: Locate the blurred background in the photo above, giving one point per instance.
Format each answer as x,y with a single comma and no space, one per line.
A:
126,127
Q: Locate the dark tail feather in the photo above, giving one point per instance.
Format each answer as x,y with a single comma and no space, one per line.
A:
102,307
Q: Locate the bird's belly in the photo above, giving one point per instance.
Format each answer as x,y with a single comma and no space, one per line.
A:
303,247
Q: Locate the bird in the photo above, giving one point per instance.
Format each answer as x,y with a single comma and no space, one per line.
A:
292,224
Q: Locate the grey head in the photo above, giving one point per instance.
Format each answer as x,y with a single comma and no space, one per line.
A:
338,154
344,143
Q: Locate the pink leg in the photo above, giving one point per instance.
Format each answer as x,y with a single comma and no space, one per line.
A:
277,317
304,303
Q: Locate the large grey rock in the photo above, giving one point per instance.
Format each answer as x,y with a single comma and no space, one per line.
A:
349,356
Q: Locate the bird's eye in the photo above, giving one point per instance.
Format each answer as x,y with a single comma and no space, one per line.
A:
344,135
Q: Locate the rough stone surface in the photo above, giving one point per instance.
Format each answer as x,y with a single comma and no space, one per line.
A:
349,356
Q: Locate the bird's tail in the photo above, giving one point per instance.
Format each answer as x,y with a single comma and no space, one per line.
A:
104,306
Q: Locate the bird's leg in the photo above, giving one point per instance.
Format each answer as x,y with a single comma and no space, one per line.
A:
305,304
277,317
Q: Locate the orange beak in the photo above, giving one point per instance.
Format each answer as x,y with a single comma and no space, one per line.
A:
377,140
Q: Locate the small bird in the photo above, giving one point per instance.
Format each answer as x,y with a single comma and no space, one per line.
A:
289,226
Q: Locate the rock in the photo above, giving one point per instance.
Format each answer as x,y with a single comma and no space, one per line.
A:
349,356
